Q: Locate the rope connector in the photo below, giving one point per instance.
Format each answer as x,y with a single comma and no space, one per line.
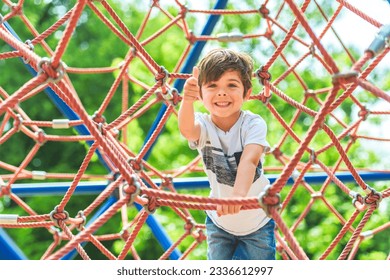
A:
3,189
167,181
189,225
126,189
31,47
167,95
98,118
263,75
40,137
56,216
266,207
345,77
381,40
373,196
151,206
309,93
313,156
357,198
295,175
162,76
229,37
183,10
18,121
38,175
9,219
1,19
367,234
81,215
264,11
135,164
174,96
60,123
364,113
60,70
312,49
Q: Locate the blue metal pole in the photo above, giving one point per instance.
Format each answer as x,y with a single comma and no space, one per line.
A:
57,188
160,234
96,187
187,67
8,249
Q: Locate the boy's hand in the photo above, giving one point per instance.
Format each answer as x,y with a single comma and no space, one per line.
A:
191,89
228,209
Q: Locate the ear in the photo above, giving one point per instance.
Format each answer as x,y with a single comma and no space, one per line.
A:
248,94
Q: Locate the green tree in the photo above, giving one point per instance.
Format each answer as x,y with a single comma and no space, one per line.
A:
93,44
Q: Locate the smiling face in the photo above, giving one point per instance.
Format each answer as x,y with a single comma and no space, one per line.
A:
223,98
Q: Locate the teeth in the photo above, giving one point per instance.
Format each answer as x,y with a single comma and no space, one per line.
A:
222,103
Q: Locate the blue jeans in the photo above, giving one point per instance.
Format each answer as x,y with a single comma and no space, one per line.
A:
259,245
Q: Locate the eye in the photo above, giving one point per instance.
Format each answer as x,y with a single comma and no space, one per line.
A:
211,85
232,85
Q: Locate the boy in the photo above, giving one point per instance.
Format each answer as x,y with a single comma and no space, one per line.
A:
232,143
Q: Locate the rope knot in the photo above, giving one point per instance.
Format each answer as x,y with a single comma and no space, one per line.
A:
201,236
132,189
53,74
136,164
277,152
373,197
80,215
264,98
268,201
98,118
357,200
124,234
363,113
152,205
40,137
18,121
262,74
17,9
167,181
162,76
268,34
57,216
191,38
264,11
4,190
189,225
183,10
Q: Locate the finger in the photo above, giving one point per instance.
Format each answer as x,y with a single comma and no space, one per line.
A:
219,210
233,209
237,209
195,72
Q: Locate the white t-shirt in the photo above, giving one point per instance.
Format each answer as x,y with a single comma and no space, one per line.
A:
221,152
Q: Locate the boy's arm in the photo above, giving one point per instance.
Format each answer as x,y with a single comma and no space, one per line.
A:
245,173
187,125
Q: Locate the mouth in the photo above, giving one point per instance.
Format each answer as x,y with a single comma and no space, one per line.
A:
222,104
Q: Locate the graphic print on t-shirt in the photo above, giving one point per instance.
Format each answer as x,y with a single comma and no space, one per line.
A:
224,166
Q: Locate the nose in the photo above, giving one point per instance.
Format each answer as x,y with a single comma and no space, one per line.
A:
221,93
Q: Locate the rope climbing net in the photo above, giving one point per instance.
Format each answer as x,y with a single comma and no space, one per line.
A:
319,100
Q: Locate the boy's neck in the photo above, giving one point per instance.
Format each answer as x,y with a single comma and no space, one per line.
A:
225,124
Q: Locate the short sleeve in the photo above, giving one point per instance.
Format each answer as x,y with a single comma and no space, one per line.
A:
199,118
254,131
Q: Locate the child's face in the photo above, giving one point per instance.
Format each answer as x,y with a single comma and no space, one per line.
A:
224,98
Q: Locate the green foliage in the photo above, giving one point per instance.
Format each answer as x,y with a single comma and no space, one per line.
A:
95,45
